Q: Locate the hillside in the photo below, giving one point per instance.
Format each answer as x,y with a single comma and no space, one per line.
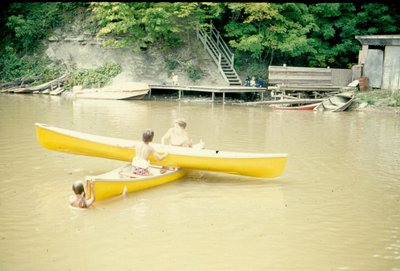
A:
77,47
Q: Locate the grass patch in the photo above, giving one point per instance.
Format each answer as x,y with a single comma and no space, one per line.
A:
380,98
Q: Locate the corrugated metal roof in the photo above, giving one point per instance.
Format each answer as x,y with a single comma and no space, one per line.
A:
393,40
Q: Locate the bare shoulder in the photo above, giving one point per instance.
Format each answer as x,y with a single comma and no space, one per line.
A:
72,199
150,148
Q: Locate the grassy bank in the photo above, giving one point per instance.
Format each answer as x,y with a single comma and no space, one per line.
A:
379,100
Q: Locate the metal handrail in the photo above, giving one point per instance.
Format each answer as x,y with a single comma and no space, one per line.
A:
222,45
212,41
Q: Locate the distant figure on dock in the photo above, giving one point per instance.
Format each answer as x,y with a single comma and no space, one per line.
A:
247,81
253,81
260,82
174,79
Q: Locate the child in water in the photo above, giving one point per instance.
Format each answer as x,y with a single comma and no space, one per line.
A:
78,200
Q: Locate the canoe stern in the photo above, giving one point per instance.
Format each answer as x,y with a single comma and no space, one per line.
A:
107,188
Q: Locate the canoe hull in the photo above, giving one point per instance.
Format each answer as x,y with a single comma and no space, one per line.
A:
112,95
338,103
112,183
301,107
247,164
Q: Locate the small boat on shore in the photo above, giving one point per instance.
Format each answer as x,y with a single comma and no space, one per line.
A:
263,165
125,91
338,103
297,107
114,182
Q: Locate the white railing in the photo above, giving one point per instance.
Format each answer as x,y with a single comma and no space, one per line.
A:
218,49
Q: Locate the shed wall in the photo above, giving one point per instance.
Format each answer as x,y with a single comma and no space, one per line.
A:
391,68
373,67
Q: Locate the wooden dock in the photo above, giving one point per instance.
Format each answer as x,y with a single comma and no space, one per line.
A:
210,89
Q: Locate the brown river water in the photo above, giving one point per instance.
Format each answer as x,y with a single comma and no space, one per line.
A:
336,206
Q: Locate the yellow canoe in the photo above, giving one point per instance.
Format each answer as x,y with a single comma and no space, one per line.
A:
263,165
112,183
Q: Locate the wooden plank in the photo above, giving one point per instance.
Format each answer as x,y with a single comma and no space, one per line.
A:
309,88
232,89
299,75
293,68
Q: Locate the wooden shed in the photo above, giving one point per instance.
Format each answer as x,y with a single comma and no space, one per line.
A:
380,57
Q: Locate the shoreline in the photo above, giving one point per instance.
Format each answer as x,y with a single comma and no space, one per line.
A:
378,109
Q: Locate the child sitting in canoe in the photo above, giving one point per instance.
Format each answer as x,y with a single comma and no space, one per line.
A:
78,200
141,163
178,136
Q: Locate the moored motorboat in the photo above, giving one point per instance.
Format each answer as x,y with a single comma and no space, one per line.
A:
263,165
337,103
114,182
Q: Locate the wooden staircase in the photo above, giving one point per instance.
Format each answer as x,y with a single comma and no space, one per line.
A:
220,53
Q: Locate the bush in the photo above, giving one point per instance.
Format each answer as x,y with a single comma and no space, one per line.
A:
98,77
171,64
15,67
193,72
395,98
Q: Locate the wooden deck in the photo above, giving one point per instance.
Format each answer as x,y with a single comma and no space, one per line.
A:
210,89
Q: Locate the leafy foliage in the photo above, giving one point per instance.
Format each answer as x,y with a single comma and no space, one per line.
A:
14,67
314,35
28,23
98,77
171,64
263,28
194,73
140,24
25,26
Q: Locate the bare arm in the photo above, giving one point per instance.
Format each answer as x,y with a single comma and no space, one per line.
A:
90,201
160,156
157,155
166,137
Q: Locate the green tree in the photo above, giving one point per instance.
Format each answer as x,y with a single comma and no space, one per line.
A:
29,23
338,23
138,25
264,29
24,26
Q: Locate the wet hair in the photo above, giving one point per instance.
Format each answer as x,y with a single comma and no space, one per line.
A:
78,188
148,135
181,123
